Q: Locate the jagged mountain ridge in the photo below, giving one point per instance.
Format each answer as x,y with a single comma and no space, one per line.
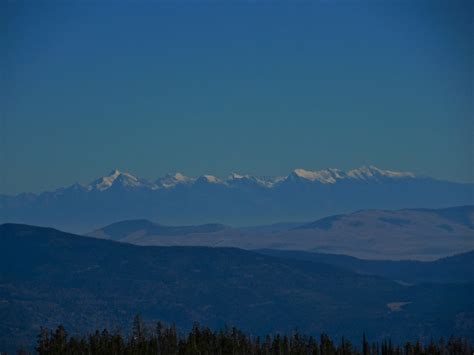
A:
327,176
236,200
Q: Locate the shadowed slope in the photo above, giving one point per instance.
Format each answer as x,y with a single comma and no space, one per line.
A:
48,277
457,268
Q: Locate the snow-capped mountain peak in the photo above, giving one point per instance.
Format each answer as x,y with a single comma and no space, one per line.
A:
235,176
235,179
210,179
304,174
171,180
115,176
372,172
180,177
327,176
331,176
240,199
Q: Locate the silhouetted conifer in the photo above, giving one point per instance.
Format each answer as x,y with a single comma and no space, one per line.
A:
165,340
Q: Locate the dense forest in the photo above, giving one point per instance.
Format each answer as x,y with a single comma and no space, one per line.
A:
162,339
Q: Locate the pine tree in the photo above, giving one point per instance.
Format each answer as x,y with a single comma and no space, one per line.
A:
59,341
365,345
202,340
326,346
43,342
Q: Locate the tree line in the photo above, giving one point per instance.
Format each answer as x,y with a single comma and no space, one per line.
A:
162,339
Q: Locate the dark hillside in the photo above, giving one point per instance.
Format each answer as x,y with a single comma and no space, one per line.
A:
48,277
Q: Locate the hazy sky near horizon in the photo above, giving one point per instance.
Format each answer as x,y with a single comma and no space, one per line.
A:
260,87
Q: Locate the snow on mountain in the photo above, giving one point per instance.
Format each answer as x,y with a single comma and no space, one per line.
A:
235,179
119,178
170,181
372,172
271,181
327,176
332,176
209,179
238,199
235,176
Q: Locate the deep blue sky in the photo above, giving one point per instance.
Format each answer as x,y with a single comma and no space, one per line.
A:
258,87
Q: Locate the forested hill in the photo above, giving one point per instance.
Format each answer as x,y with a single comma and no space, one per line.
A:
456,268
48,277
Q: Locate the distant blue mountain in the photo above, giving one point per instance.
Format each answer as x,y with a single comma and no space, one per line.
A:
121,230
408,234
236,200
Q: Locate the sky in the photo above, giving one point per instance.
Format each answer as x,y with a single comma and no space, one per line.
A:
259,87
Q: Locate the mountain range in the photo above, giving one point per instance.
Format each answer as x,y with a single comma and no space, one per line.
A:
413,234
48,277
237,200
